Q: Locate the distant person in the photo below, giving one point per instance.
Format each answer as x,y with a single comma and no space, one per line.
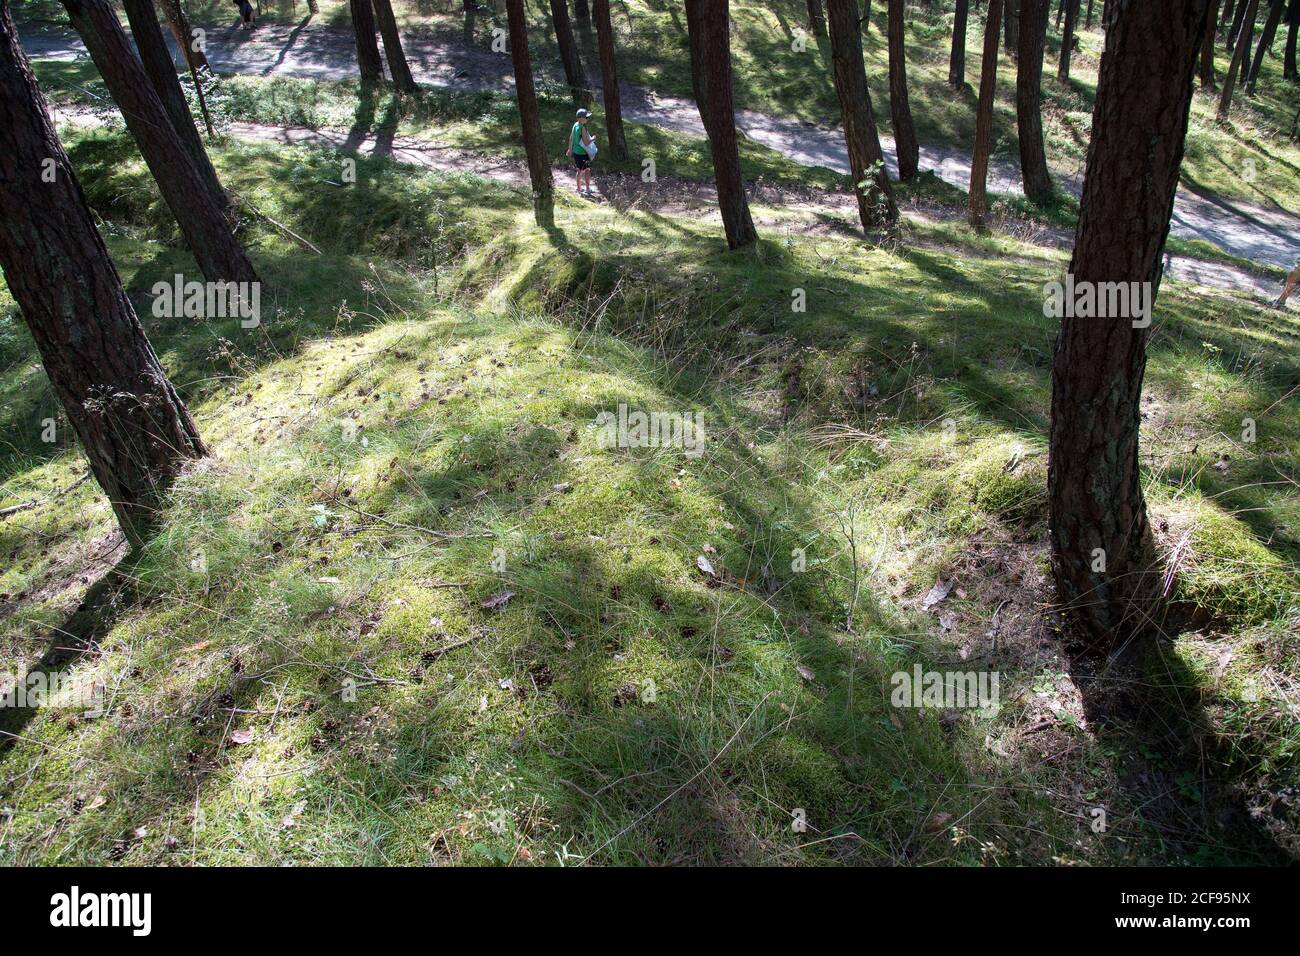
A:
582,149
1292,280
245,14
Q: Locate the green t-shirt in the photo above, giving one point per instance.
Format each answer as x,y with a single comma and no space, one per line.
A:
577,139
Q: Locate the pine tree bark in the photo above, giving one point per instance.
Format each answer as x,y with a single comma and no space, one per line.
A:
1225,20
363,26
157,61
876,206
816,18
1237,20
1103,557
201,220
1011,26
1207,48
1248,8
1247,28
174,13
581,10
979,165
905,144
574,74
1088,19
1034,172
957,59
1067,40
397,65
1265,44
709,29
135,430
1289,69
539,169
609,81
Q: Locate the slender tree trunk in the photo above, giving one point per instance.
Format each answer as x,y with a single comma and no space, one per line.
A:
1029,105
161,69
1289,69
905,144
816,18
1229,8
1249,8
1265,43
573,71
397,65
539,169
1237,20
580,10
1088,19
1011,26
957,59
180,27
979,164
200,217
1102,553
1060,9
1207,49
709,29
134,428
1067,40
609,81
363,26
865,22
866,160
1248,29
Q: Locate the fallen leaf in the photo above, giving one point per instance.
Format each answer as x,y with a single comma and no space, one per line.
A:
937,593
241,737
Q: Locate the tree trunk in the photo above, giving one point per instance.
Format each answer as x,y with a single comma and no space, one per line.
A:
866,160
1289,70
905,144
1029,113
1248,30
539,169
1265,44
609,81
1237,21
1060,9
816,18
580,10
979,164
180,27
1225,20
1207,48
1011,26
573,71
1248,8
957,59
709,28
161,69
363,26
1102,554
1089,16
201,220
397,65
1067,40
135,430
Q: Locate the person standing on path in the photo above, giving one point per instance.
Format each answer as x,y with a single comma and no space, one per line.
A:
582,149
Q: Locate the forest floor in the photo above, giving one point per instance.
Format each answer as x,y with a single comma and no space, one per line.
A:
317,51
413,609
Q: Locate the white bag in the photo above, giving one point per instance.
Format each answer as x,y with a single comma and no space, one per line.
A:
591,148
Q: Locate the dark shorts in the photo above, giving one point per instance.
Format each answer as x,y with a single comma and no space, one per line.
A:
246,10
582,161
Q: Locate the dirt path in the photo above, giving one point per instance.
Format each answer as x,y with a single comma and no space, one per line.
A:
316,51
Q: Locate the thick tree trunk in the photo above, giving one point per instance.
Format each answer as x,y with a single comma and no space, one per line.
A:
157,61
876,206
574,74
1102,553
363,26
201,219
1207,48
979,164
539,169
816,18
957,59
1029,104
1248,8
1067,40
905,144
709,28
397,65
1011,26
1289,69
609,81
1265,44
136,432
